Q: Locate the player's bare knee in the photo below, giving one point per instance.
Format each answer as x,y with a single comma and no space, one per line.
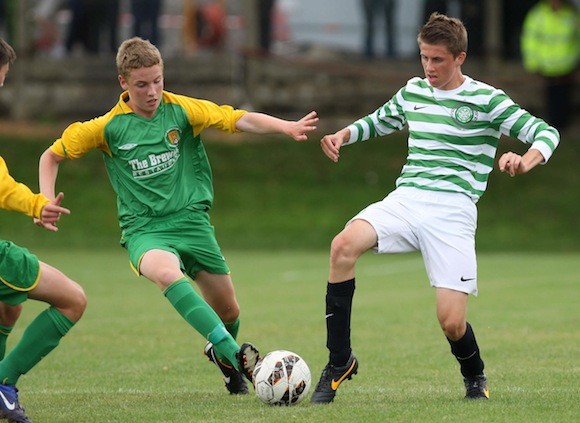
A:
230,315
9,314
229,318
341,252
165,277
453,328
77,303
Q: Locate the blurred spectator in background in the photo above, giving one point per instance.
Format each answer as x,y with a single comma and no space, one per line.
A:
258,20
92,21
472,15
431,6
550,48
265,18
47,36
204,24
8,20
145,19
470,12
372,10
189,26
514,13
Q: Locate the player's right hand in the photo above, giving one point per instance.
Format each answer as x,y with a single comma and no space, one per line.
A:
299,130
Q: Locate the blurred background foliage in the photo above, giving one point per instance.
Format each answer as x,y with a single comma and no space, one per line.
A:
271,193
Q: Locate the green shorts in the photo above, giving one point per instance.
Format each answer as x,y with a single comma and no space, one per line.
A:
189,235
19,273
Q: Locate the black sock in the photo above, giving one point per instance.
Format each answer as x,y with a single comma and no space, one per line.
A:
338,310
466,352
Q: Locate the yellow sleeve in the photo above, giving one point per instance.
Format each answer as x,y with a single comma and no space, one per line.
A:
204,114
82,137
18,197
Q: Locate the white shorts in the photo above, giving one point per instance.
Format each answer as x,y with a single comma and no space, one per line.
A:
441,225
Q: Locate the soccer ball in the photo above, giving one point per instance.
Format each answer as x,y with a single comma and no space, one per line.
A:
281,378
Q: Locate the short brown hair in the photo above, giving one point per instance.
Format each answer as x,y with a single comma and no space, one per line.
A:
137,53
441,29
7,54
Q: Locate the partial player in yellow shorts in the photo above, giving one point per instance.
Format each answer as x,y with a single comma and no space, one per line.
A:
23,276
19,273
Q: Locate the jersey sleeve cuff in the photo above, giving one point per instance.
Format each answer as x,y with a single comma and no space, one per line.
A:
544,150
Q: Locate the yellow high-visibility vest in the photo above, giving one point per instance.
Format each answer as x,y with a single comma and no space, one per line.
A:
550,40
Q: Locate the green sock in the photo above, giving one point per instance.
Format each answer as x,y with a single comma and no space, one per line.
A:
202,318
4,332
233,328
40,337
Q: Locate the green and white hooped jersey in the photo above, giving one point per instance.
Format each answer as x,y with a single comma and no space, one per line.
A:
453,134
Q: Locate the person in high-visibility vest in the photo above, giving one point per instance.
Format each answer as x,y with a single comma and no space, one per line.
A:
550,45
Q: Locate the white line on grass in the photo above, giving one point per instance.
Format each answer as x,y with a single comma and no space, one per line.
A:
364,390
122,391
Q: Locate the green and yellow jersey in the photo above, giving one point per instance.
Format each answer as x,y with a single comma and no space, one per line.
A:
453,134
157,166
16,196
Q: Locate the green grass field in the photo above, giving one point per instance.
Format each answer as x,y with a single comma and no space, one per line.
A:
132,359
277,206
279,194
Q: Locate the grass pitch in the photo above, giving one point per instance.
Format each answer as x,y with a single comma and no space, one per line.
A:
133,359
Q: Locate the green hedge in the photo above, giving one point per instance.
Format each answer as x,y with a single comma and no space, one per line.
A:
278,194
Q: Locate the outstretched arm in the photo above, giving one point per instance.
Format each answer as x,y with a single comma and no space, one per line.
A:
514,164
261,123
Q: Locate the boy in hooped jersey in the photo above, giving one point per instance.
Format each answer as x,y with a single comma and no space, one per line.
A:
454,125
157,165
23,276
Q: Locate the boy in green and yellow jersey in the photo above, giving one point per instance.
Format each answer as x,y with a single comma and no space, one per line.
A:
157,165
23,276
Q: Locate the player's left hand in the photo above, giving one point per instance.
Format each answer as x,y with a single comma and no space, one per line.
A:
50,214
299,130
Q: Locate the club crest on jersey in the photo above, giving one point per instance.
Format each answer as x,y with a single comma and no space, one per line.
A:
464,114
173,136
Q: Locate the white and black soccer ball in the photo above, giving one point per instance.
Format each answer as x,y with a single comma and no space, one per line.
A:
282,378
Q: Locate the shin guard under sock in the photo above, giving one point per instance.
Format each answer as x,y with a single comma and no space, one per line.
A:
202,318
466,352
233,329
338,311
4,332
41,336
